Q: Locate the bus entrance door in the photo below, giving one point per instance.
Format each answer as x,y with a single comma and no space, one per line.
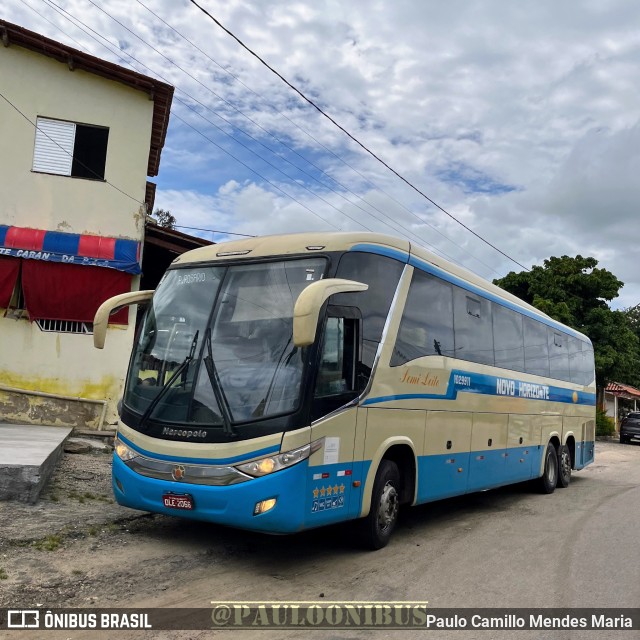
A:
331,470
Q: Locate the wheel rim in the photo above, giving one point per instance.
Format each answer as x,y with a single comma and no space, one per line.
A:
388,507
566,464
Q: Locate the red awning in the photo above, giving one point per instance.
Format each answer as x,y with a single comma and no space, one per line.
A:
70,248
56,291
8,276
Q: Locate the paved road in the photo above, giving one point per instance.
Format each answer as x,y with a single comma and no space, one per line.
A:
503,548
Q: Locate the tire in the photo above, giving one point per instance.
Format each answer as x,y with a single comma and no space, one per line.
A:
547,483
377,527
564,466
623,440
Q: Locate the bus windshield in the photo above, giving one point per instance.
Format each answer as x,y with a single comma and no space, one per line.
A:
216,346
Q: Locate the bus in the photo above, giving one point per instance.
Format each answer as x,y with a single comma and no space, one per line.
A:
288,382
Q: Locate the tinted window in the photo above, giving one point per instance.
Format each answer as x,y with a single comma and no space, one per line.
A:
382,275
588,364
473,327
577,361
558,355
426,327
508,338
536,348
337,370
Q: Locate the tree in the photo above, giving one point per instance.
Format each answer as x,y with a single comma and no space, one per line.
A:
633,316
165,218
575,292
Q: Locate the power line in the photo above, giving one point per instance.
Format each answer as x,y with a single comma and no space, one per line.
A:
75,20
320,197
277,139
421,240
175,115
395,224
348,134
238,141
228,233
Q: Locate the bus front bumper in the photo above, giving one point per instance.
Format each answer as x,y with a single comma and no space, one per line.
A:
232,505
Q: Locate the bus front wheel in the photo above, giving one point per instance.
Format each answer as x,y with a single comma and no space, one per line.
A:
377,527
549,479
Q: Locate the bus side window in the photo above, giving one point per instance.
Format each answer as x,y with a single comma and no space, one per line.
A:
340,377
337,370
426,327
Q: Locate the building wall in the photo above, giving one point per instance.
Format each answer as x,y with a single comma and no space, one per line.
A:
57,363
41,86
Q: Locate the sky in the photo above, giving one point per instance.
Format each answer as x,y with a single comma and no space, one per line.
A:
520,119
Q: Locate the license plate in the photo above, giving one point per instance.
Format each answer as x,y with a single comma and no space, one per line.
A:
174,501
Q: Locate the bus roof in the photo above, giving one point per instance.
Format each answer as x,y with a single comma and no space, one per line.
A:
315,242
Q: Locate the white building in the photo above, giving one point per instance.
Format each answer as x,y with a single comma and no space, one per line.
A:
78,138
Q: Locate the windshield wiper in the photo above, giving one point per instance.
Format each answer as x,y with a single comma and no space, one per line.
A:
165,387
262,405
214,380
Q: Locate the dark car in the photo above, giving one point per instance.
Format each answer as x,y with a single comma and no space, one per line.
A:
630,428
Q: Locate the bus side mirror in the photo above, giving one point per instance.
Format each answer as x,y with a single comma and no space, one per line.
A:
101,319
309,303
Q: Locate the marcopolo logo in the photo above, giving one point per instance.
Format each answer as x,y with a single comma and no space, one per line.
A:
184,433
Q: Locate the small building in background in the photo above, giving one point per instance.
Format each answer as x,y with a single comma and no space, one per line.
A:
620,399
79,136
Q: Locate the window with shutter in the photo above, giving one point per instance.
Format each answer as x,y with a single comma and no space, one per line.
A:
70,149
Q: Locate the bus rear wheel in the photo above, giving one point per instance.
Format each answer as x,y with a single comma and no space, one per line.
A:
564,466
549,479
377,527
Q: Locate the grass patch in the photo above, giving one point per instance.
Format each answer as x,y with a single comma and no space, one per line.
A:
3,574
94,530
77,572
50,543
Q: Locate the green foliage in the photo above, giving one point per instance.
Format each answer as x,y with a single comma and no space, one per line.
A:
165,218
3,574
605,426
575,292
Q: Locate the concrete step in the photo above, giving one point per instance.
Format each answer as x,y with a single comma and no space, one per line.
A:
28,456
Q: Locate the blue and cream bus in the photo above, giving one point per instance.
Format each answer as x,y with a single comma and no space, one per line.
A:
288,382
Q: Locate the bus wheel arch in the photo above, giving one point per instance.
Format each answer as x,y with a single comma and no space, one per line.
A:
549,479
404,458
393,484
571,445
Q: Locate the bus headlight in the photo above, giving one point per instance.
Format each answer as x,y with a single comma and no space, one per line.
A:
124,453
264,466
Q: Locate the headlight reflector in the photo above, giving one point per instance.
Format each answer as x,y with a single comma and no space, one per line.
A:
264,466
124,453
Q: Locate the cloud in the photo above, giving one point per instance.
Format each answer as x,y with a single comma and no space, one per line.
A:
519,118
